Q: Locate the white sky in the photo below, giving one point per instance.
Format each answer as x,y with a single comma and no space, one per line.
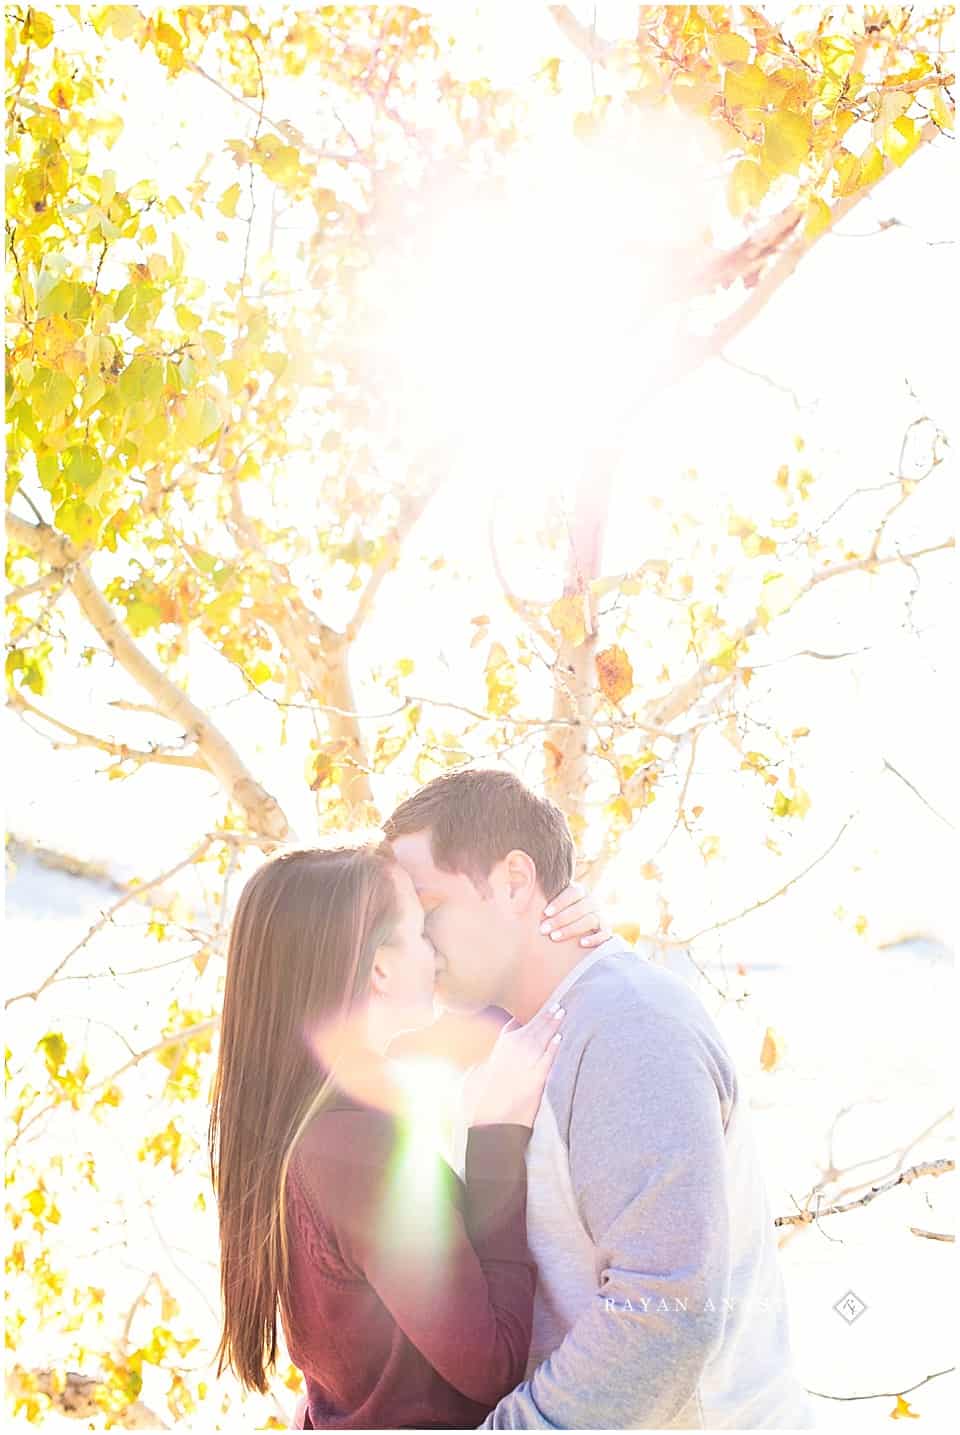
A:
861,316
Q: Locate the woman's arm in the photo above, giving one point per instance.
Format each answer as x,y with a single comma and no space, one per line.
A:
454,1272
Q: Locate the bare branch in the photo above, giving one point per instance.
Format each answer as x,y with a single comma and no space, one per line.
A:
159,754
39,585
932,1235
886,1394
660,941
917,793
411,508
132,894
665,710
282,127
525,611
905,1178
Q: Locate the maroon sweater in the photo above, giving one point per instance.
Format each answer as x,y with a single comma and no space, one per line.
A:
411,1291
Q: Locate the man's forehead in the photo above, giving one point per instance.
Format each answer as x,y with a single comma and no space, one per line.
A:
413,852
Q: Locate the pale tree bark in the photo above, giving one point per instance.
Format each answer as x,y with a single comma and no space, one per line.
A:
575,674
262,811
320,653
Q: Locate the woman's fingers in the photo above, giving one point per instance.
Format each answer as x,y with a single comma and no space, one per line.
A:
563,928
547,1057
596,939
540,1031
569,897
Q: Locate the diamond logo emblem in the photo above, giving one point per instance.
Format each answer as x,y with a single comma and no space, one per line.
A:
850,1306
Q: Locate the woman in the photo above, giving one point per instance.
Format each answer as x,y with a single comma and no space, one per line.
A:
405,1294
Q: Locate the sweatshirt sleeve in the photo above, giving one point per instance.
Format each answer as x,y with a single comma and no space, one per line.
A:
455,1274
648,1167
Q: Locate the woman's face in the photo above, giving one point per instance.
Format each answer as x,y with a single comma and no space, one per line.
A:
405,967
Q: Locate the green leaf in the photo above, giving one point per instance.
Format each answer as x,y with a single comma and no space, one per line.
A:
141,617
51,392
82,466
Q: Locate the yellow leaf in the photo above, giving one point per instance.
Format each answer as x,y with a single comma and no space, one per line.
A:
818,217
38,29
567,617
901,139
940,111
860,925
554,757
615,673
837,53
620,810
730,48
800,732
870,168
744,86
229,200
746,186
186,318
739,527
771,1050
902,1409
786,141
710,848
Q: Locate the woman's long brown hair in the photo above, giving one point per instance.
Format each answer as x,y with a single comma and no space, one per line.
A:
301,948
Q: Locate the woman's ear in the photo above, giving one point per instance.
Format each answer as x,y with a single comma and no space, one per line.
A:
379,973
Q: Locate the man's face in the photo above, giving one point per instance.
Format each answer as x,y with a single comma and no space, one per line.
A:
476,936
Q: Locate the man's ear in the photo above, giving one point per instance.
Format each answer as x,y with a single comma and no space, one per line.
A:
520,878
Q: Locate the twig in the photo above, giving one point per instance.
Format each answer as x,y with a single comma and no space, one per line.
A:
159,754
932,1235
917,793
764,901
174,1039
912,1173
338,155
885,1394
107,917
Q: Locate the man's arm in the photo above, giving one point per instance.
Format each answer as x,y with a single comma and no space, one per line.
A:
648,1166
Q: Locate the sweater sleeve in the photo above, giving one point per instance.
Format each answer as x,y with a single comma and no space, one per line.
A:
648,1168
456,1274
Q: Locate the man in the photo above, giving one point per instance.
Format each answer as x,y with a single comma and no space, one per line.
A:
659,1303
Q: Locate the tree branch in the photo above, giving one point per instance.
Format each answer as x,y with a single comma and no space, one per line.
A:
886,1394
132,894
665,710
120,750
917,793
174,1039
905,1178
49,580
261,810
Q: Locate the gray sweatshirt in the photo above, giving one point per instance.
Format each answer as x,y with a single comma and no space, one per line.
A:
660,1303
